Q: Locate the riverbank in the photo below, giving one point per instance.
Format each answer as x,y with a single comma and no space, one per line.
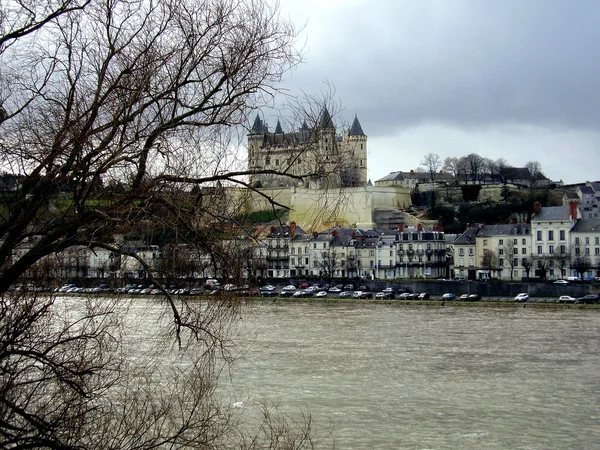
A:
486,303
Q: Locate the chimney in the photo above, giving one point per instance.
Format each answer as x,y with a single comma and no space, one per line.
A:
293,230
400,226
419,227
272,229
536,207
573,209
353,235
334,233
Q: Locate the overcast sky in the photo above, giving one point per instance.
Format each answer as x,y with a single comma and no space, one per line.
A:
513,79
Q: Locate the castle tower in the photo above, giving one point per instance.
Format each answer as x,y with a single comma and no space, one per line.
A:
256,139
357,149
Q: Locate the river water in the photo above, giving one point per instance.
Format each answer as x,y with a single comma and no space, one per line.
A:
390,377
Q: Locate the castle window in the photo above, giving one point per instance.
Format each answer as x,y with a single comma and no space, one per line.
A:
276,162
361,163
361,146
267,160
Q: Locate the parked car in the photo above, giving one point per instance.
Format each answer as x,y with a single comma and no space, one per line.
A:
345,294
473,297
289,287
523,297
381,295
561,282
301,293
348,287
590,298
464,297
321,294
448,296
405,296
424,296
267,288
304,285
335,290
566,299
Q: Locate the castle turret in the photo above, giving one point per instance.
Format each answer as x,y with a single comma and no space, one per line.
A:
357,147
255,142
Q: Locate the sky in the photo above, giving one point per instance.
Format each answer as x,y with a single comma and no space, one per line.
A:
512,79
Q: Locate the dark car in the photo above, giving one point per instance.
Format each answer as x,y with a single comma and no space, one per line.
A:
424,296
590,298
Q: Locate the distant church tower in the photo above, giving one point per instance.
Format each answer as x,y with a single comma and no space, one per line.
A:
341,157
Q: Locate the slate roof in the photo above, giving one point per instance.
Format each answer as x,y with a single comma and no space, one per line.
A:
586,190
552,213
467,238
278,129
326,121
586,226
420,176
504,230
356,129
283,232
258,126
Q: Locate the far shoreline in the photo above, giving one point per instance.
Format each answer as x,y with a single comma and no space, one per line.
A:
433,303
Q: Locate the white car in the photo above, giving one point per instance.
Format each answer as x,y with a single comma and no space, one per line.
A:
267,288
566,299
523,297
289,288
561,282
321,294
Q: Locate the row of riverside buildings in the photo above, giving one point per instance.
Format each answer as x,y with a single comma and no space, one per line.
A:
557,243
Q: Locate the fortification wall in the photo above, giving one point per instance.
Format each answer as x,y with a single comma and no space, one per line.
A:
316,210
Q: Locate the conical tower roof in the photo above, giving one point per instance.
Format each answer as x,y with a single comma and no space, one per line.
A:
278,129
326,120
258,126
356,129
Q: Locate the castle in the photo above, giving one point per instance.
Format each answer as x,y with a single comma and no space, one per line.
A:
318,156
320,175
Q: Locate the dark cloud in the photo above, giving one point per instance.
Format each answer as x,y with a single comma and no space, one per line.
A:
468,65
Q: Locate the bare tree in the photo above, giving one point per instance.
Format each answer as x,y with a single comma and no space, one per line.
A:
510,255
451,166
535,172
328,264
476,167
527,264
580,263
463,169
489,262
137,95
432,163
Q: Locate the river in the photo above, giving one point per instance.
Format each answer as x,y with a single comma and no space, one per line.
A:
419,377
